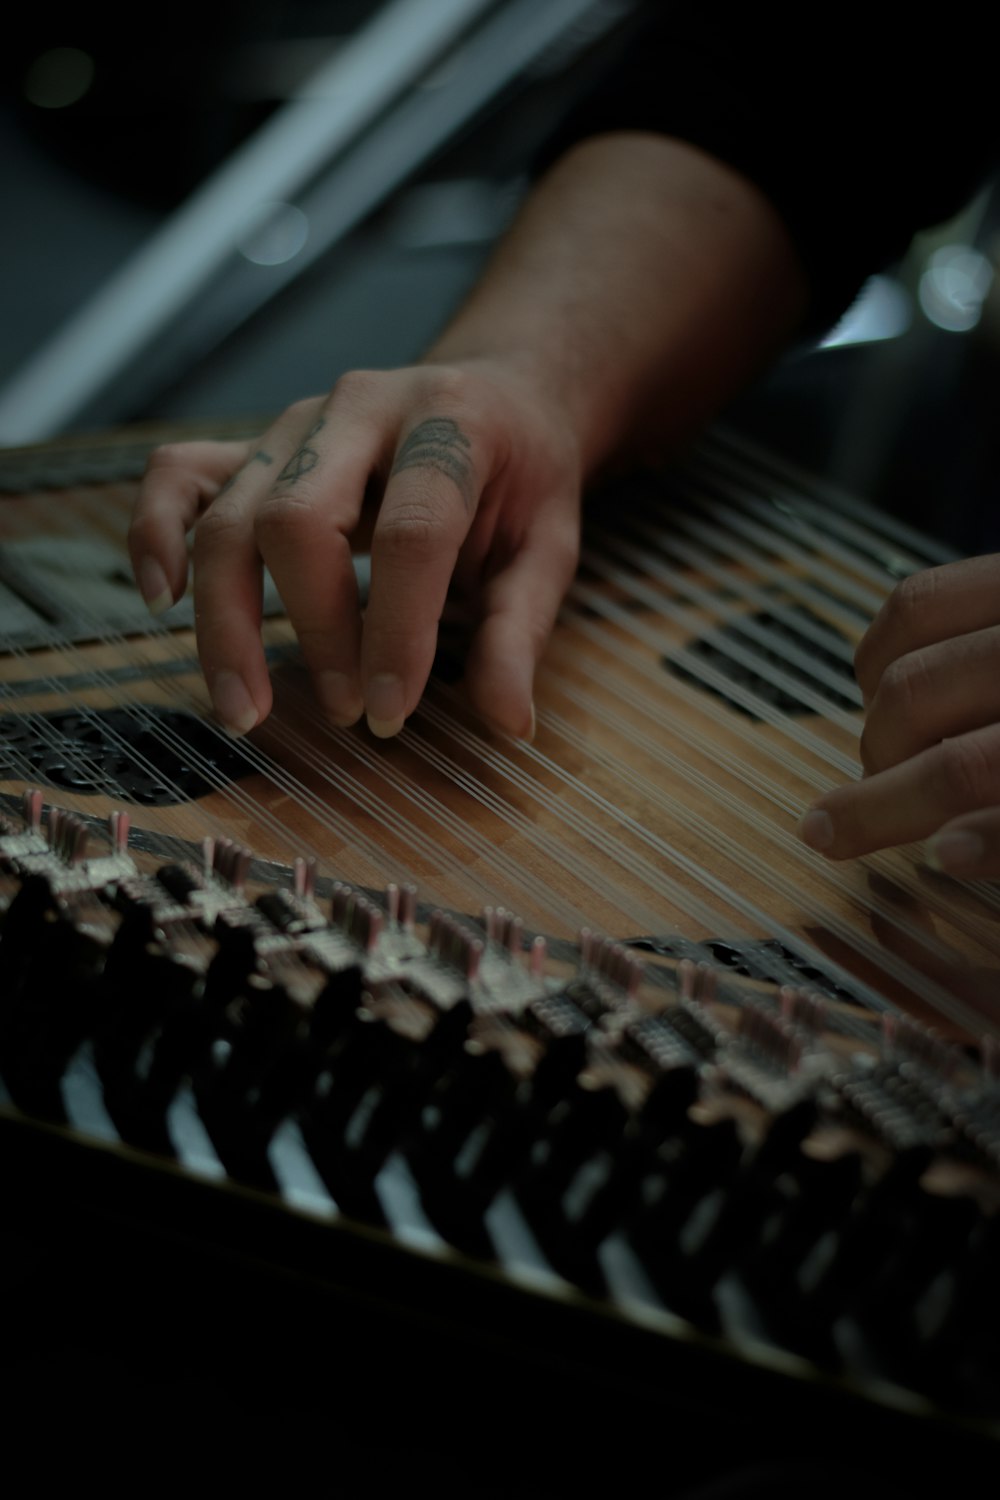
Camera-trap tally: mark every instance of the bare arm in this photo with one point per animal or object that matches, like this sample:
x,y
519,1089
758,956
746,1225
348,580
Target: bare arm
x,y
642,284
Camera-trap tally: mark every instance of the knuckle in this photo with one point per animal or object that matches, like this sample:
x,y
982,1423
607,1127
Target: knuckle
x,y
281,518
293,421
412,526
904,688
356,388
166,456
446,391
452,385
220,525
910,600
969,772
301,411
463,396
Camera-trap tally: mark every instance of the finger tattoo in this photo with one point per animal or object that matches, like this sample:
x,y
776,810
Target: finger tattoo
x,y
302,460
439,443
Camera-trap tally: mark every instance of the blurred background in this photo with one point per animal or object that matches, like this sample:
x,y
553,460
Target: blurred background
x,y
209,220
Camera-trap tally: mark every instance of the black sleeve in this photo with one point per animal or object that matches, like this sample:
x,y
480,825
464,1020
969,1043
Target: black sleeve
x,y
861,124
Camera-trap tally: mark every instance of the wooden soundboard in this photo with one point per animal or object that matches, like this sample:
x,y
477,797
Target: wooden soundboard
x,y
574,1038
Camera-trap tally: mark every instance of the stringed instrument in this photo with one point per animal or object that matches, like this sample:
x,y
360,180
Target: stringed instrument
x,y
573,1038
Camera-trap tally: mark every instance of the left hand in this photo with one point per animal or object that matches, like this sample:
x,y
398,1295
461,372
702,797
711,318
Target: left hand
x,y
477,480
929,669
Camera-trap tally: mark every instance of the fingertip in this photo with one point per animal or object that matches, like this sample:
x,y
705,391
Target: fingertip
x,y
516,727
234,704
340,698
501,689
152,583
385,705
160,604
816,829
955,852
500,678
526,729
384,729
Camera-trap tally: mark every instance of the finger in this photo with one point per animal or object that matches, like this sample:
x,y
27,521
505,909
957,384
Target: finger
x,y
228,573
934,605
227,604
968,846
302,528
909,801
428,508
521,606
932,694
181,479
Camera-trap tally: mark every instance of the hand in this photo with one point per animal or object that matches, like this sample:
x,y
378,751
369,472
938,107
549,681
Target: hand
x,y
478,488
929,669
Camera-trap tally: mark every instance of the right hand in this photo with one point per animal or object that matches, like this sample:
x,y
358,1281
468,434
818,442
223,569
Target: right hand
x,y
477,481
929,669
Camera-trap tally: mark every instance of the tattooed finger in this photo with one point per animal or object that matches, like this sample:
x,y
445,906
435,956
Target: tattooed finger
x,y
303,460
260,457
440,444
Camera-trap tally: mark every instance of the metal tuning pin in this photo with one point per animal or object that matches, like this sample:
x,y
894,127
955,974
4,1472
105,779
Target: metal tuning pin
x,y
367,924
31,809
538,956
119,827
507,930
304,876
610,961
67,835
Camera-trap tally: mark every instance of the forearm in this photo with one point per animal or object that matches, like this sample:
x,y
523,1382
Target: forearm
x,y
641,286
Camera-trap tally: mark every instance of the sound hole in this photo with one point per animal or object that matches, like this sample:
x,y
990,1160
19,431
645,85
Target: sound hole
x,y
752,958
711,650
151,757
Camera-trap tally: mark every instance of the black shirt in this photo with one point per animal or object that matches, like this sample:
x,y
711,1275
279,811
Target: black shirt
x,y
862,124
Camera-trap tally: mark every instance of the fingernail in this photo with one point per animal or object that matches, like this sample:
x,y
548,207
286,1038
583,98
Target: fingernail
x,y
816,829
955,853
384,705
340,698
532,726
153,586
233,704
